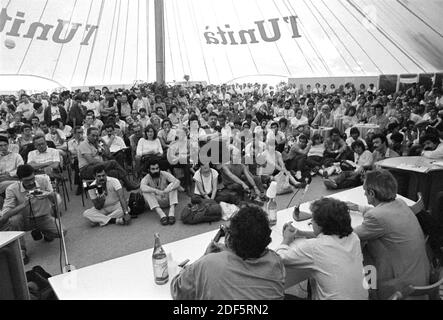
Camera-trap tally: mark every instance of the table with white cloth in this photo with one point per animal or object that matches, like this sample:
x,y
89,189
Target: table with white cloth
x,y
365,127
131,276
422,175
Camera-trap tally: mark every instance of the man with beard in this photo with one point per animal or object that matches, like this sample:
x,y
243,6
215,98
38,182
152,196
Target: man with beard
x,y
159,189
55,111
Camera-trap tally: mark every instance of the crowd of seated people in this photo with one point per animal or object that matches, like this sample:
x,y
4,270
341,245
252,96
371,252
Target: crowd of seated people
x,y
166,134
140,124
313,129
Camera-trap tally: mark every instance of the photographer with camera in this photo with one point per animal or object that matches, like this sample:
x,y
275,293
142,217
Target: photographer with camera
x,y
28,206
109,202
243,268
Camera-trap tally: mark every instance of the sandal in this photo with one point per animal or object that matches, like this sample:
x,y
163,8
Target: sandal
x,y
164,221
171,220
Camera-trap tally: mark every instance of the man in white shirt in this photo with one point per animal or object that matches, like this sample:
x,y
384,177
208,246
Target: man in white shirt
x,y
141,102
110,206
43,158
26,108
58,137
331,255
93,105
115,144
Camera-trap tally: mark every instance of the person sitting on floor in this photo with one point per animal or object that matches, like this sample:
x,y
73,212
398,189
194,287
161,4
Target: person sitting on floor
x,y
28,206
206,181
241,269
352,178
237,178
331,255
110,206
159,189
395,243
354,136
336,150
273,164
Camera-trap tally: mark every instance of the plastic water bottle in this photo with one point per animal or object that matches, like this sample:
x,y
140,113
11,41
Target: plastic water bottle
x,y
159,262
272,211
271,206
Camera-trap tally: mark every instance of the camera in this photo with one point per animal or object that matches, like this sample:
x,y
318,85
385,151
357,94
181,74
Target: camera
x,y
95,186
35,192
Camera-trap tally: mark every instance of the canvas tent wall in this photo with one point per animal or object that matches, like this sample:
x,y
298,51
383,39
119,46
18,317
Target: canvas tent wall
x,y
219,40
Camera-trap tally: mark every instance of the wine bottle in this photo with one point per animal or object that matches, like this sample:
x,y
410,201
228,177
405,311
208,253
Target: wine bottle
x,y
159,262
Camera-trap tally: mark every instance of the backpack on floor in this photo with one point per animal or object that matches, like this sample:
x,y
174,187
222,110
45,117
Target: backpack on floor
x,y
38,284
136,203
201,211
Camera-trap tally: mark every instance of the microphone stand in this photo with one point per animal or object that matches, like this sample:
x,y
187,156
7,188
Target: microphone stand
x,y
67,267
296,214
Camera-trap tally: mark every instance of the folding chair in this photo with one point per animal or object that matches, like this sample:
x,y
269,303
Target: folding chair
x,y
85,184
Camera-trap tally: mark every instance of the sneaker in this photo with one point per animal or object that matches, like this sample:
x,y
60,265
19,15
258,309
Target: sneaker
x,y
330,184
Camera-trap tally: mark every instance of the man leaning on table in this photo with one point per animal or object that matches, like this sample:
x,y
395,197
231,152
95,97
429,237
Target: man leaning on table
x,y
331,255
242,269
395,243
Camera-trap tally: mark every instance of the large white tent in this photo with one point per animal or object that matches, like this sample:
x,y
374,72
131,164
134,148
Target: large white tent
x,y
97,42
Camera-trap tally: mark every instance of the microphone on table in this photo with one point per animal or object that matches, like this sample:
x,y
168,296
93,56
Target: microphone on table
x,y
297,214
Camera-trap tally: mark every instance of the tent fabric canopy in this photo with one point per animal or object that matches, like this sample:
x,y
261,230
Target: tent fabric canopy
x,y
93,42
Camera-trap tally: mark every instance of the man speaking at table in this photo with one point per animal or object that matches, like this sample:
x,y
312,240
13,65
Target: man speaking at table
x,y
395,242
242,269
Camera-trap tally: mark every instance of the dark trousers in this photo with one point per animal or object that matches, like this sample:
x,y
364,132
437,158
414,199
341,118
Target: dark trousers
x,y
297,163
348,179
314,161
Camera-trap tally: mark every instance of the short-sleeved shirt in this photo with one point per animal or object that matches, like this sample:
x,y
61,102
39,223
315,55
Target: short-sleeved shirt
x,y
41,157
16,195
9,163
205,181
112,186
87,148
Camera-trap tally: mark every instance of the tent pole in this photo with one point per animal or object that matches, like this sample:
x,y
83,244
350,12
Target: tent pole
x,y
159,40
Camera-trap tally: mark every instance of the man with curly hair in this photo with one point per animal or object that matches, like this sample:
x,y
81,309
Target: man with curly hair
x,y
241,269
